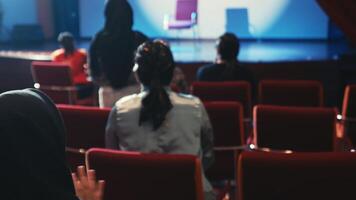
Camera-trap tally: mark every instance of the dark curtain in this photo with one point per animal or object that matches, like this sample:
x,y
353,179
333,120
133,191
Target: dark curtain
x,y
66,16
343,14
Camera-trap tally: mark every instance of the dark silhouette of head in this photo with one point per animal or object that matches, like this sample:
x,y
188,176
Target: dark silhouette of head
x,y
228,47
66,40
32,147
118,16
154,68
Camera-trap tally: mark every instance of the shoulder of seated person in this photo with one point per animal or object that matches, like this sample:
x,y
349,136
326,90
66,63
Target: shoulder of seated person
x,y
82,51
209,65
181,97
57,52
127,99
212,67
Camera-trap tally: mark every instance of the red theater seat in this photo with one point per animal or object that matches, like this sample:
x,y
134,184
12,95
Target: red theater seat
x,y
291,93
294,128
225,91
55,79
133,176
85,125
227,122
296,176
349,113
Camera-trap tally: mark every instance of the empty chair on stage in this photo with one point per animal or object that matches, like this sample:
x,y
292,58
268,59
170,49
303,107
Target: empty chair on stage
x,y
296,176
185,17
133,175
291,93
294,128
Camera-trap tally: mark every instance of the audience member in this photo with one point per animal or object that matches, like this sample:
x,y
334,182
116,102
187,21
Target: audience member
x,y
111,53
226,66
158,120
32,154
76,59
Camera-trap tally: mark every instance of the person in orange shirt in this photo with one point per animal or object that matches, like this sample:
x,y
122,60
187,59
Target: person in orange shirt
x,y
76,59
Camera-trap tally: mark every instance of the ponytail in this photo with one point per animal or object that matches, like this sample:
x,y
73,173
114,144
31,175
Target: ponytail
x,y
155,71
155,107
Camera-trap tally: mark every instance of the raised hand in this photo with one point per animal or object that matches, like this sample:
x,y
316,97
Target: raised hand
x,y
86,186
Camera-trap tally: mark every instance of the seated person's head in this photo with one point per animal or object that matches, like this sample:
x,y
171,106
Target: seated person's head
x,y
228,47
32,153
66,40
154,68
154,64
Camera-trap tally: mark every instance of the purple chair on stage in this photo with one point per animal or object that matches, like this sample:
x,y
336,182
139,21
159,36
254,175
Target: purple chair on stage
x,y
185,17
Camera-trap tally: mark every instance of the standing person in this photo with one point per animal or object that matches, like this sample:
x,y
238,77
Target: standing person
x,y
111,53
32,152
76,59
226,66
158,120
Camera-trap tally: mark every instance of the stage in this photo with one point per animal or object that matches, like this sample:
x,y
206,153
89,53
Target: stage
x,y
294,60
204,50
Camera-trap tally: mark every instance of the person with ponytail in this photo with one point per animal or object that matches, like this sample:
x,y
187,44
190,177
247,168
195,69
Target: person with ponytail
x,y
226,66
158,120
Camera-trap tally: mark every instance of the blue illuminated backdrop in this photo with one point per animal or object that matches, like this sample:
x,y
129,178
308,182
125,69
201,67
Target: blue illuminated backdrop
x,y
276,19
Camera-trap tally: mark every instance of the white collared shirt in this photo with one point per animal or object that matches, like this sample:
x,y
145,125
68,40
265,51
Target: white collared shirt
x,y
186,129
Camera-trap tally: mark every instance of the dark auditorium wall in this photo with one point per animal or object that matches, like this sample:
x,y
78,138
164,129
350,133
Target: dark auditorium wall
x,y
66,16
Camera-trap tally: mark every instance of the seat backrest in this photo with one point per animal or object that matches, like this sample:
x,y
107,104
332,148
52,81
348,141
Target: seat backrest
x,y
55,79
294,128
133,175
291,93
185,8
85,125
225,91
52,74
227,123
349,112
296,176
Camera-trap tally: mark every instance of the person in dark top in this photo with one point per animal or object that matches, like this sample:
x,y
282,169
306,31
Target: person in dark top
x,y
112,51
226,66
32,151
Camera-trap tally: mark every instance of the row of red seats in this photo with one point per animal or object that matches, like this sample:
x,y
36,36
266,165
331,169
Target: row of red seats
x,y
276,127
259,175
56,80
304,93
296,93
224,169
